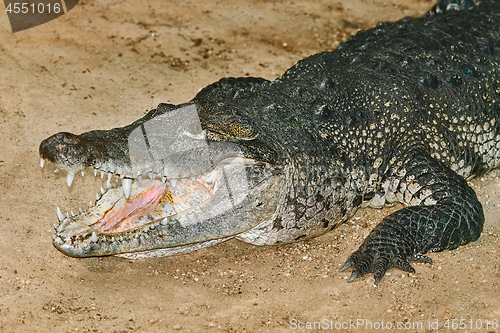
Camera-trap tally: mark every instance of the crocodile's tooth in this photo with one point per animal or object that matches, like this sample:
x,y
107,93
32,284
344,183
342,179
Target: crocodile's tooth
x,y
183,180
67,215
109,176
139,178
122,175
127,185
42,162
94,238
95,172
151,175
109,185
58,240
83,173
72,214
81,211
193,178
56,170
69,178
173,181
163,179
199,176
102,191
90,205
60,215
55,227
97,197
102,174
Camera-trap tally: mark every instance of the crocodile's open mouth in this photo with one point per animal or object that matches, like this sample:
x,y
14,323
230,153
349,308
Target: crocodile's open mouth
x,y
152,214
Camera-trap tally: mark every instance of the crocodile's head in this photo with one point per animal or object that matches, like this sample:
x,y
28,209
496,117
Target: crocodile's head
x,y
191,175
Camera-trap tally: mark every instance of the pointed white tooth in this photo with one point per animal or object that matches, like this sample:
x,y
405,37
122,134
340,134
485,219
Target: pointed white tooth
x,y
81,211
199,176
163,179
72,214
193,177
94,238
151,175
139,178
55,226
109,185
183,180
83,173
90,205
60,215
56,170
102,174
97,197
122,175
42,162
69,178
95,172
67,215
127,185
102,191
109,176
173,181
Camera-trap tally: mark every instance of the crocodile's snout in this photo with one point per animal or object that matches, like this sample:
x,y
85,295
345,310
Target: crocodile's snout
x,y
66,150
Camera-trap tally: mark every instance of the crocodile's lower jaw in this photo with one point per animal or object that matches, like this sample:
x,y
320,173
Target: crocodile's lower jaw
x,y
157,210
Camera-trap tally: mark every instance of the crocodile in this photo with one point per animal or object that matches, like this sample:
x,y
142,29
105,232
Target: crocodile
x,y
405,112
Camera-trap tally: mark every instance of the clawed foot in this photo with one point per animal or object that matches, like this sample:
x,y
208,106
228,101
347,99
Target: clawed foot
x,y
379,260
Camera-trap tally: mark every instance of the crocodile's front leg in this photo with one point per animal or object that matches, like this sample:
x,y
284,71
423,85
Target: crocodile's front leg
x,y
443,213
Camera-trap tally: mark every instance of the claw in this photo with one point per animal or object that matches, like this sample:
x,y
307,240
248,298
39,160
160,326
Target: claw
x,y
353,276
346,265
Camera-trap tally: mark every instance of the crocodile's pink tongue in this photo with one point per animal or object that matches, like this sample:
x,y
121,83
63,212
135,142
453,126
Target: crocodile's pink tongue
x,y
153,199
127,213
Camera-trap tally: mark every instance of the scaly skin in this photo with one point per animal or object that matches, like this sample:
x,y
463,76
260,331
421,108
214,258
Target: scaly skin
x,y
404,112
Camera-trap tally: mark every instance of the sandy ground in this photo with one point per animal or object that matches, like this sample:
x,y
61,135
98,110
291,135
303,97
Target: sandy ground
x,y
104,65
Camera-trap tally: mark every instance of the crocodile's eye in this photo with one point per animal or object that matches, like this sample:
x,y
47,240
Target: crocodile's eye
x,y
195,128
